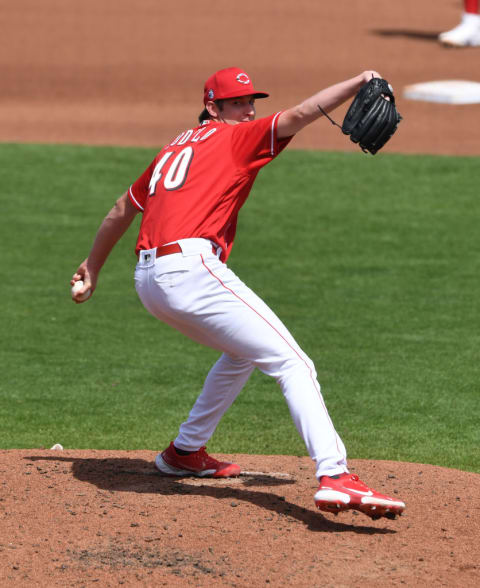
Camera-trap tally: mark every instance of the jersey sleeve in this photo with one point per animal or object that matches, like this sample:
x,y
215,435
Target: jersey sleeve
x,y
255,143
138,191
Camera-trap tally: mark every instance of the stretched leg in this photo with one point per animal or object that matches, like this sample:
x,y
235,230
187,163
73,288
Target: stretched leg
x,y
211,305
223,384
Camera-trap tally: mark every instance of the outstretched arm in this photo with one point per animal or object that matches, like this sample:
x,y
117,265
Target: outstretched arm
x,y
112,228
294,119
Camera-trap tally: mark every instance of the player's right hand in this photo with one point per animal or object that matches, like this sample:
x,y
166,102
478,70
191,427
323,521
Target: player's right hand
x,y
89,282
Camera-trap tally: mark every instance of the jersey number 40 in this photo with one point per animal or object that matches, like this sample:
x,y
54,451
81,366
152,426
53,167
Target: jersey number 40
x,y
174,175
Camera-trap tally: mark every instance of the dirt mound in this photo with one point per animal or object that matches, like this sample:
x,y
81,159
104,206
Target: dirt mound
x,y
76,518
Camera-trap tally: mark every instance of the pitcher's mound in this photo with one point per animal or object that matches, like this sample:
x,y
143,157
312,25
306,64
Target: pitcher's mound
x,y
104,518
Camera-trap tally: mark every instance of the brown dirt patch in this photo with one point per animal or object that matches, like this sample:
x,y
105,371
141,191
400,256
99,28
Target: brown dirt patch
x,y
79,518
123,73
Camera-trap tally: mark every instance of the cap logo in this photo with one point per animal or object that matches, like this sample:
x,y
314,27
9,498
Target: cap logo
x,y
243,78
211,94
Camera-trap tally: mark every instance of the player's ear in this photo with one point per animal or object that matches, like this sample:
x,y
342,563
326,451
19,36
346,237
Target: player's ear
x,y
212,109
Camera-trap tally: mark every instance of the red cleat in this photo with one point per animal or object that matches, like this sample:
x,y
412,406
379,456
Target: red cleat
x,y
347,491
199,463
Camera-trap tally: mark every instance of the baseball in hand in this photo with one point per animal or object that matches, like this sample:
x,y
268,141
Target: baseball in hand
x,y
75,288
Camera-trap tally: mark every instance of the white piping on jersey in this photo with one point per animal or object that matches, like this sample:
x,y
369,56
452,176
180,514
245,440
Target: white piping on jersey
x,y
134,199
272,151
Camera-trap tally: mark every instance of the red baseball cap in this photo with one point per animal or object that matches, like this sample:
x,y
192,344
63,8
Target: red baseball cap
x,y
229,83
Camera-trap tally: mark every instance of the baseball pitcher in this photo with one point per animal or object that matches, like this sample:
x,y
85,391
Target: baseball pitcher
x,y
189,198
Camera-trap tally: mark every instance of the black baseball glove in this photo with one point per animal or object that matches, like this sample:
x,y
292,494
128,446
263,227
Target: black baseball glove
x,y
372,117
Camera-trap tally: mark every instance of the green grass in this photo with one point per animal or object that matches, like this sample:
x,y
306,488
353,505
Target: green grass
x,y
372,262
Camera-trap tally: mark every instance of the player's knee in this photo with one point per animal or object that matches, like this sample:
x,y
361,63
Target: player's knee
x,y
299,364
237,362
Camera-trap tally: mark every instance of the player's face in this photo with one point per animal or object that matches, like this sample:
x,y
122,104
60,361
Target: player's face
x,y
237,110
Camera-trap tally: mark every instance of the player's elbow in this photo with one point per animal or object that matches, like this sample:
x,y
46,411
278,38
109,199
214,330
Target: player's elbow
x,y
124,207
122,211
293,120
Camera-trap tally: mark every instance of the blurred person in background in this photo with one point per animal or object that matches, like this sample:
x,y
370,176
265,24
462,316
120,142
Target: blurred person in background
x,y
467,33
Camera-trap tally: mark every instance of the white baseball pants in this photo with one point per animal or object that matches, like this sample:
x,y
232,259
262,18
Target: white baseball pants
x,y
197,294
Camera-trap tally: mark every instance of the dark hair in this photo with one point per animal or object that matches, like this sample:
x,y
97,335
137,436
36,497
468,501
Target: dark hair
x,y
205,115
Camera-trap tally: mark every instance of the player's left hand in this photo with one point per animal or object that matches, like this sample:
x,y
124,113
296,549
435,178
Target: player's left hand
x,y
372,118
369,74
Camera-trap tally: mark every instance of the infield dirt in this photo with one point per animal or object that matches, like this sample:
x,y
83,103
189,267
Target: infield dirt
x,y
113,72
110,72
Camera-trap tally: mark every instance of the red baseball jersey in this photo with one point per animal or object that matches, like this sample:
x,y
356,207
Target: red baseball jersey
x,y
197,184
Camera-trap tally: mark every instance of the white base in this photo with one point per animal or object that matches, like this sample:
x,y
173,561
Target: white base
x,y
446,91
